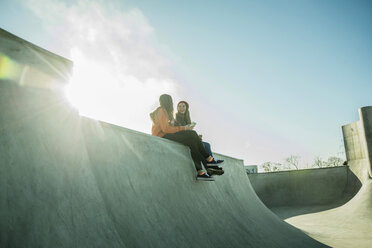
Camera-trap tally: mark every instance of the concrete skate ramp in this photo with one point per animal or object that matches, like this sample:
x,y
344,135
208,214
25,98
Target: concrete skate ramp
x,y
332,205
311,189
30,65
68,181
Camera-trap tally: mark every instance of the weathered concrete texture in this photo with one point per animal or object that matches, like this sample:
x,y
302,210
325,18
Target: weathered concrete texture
x,y
354,141
336,205
332,205
67,181
365,114
301,187
27,64
349,225
358,138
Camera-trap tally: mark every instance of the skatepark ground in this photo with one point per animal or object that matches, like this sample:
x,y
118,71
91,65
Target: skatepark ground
x,y
71,181
331,205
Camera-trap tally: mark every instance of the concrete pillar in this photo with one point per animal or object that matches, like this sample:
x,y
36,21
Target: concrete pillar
x,y
365,115
354,141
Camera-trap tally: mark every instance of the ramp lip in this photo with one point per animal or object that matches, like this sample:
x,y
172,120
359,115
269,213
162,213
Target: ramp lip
x,y
41,49
305,169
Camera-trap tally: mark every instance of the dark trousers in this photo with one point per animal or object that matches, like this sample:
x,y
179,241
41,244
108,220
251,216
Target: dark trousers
x,y
207,147
191,139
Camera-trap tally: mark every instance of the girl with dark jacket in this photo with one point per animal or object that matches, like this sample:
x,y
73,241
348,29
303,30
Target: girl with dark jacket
x,y
183,118
183,134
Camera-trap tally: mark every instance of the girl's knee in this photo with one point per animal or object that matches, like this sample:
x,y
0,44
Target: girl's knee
x,y
191,131
194,134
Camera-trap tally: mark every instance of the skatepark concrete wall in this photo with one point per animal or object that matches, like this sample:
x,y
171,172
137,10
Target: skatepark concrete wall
x,y
68,181
358,138
27,64
344,225
353,141
333,205
71,181
355,149
365,114
300,187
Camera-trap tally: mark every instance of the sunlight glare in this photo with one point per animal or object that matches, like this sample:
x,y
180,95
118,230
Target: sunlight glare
x,y
100,92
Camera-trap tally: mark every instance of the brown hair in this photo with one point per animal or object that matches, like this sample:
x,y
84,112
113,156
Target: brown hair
x,y
166,102
183,119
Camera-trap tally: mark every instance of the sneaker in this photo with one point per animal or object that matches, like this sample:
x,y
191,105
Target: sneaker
x,y
204,177
212,171
214,167
216,162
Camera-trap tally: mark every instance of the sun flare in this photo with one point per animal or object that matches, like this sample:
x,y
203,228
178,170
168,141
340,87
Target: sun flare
x,y
100,92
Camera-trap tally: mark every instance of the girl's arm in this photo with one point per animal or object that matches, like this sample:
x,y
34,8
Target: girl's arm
x,y
164,123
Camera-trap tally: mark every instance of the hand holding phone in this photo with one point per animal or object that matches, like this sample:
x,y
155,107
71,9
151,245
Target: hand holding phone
x,y
190,126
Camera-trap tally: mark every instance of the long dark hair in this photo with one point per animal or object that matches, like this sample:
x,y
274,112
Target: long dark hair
x,y
166,102
183,119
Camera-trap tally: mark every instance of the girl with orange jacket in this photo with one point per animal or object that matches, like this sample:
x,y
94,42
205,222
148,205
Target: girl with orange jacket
x,y
162,118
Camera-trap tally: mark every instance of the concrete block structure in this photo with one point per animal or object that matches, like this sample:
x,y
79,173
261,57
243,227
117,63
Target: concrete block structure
x,y
358,138
251,169
354,141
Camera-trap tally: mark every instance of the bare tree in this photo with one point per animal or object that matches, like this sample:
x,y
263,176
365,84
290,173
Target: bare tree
x,y
318,162
334,161
266,166
270,166
278,167
292,161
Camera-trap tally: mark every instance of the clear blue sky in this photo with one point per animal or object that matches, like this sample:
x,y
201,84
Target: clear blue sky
x,y
267,79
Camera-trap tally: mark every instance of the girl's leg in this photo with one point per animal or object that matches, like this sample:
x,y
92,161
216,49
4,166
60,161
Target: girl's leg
x,y
199,144
207,147
185,138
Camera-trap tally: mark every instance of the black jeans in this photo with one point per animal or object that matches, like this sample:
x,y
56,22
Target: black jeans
x,y
191,139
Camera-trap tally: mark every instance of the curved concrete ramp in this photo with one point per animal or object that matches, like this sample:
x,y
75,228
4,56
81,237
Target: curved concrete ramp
x,y
308,187
67,181
349,225
332,205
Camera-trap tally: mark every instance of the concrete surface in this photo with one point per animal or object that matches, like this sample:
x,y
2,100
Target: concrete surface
x,y
302,187
27,64
365,114
67,181
354,141
331,205
358,138
348,225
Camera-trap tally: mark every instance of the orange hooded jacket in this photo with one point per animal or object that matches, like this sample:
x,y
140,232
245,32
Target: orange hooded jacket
x,y
160,126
